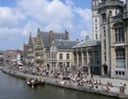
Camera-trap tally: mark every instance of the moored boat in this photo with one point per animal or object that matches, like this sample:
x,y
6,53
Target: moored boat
x,y
34,82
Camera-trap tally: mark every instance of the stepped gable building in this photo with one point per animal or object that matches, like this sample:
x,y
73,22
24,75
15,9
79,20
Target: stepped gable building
x,y
114,42
43,43
31,50
87,55
60,54
95,20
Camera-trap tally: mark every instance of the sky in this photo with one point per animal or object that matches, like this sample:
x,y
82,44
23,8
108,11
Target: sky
x,y
20,17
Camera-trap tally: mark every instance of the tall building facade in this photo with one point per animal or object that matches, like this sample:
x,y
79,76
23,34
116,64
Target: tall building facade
x,y
95,20
114,38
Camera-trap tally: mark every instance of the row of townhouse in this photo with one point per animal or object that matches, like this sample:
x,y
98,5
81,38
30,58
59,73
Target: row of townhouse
x,y
10,57
49,49
56,50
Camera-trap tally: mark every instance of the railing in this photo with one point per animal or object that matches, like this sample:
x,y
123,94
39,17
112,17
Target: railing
x,y
119,17
118,3
125,15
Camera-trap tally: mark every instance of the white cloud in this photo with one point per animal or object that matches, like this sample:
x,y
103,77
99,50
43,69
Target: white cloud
x,y
47,12
6,30
70,2
85,14
54,27
10,17
31,26
85,33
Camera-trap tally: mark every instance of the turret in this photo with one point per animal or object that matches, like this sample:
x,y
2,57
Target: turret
x,y
127,6
95,4
95,20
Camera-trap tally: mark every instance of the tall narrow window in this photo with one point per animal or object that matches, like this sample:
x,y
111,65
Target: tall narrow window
x,y
104,17
68,56
120,58
80,58
60,56
85,59
90,57
119,35
96,55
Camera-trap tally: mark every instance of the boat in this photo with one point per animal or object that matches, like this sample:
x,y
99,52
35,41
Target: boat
x,y
34,82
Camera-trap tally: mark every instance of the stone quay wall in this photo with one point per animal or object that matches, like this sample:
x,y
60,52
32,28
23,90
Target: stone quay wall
x,y
52,81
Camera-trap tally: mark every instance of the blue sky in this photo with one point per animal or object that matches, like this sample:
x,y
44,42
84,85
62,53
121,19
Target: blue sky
x,y
20,17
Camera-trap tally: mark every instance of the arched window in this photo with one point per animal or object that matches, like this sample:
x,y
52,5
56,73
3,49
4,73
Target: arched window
x,y
104,17
120,58
119,34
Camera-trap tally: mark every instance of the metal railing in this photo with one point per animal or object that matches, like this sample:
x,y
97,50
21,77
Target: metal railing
x,y
119,17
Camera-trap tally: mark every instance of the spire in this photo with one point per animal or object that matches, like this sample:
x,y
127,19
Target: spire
x,y
30,35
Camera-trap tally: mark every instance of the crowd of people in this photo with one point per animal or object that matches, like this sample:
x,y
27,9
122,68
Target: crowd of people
x,y
81,79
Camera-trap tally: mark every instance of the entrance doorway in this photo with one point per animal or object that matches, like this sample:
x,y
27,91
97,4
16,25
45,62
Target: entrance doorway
x,y
105,68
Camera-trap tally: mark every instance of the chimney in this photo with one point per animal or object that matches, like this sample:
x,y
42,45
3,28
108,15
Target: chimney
x,y
51,36
87,38
67,35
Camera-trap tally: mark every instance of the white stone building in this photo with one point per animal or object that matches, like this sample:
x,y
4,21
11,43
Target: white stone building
x,y
114,39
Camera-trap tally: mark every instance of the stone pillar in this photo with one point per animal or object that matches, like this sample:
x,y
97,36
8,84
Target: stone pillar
x,y
126,58
87,55
77,58
82,57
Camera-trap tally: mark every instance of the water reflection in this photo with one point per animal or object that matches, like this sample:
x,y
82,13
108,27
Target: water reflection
x,y
15,88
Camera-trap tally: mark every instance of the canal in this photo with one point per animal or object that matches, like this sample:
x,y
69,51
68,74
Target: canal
x,y
15,88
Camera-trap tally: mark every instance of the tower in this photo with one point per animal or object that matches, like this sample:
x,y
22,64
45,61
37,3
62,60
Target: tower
x,y
127,6
108,9
95,20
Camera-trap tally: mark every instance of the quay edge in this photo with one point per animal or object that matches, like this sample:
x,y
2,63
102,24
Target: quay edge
x,y
51,81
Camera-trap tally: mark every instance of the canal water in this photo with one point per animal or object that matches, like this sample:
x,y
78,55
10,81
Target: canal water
x,y
15,88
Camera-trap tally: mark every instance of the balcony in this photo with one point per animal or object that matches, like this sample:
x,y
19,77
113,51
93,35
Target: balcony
x,y
120,17
111,3
117,18
125,15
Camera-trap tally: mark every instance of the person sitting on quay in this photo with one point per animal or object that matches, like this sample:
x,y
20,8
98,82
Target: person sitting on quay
x,y
122,88
106,89
100,82
125,86
95,82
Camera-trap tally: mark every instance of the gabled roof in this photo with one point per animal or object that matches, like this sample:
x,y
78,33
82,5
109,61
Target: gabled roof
x,y
65,44
14,51
46,37
88,43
